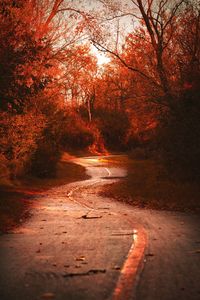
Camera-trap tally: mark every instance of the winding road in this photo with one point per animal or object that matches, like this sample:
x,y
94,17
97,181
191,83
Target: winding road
x,y
78,245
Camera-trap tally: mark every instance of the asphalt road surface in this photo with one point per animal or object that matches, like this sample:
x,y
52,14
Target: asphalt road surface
x,y
75,245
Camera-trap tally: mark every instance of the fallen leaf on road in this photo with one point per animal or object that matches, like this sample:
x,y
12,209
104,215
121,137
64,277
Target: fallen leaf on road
x,y
116,268
93,217
103,208
90,272
96,271
81,258
149,254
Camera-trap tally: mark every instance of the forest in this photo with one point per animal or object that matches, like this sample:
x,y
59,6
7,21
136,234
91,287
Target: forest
x,y
55,97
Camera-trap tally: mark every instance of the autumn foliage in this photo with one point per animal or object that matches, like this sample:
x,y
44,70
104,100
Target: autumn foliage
x,y
55,98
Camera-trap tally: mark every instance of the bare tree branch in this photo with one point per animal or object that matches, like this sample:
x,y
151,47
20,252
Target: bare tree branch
x,y
173,13
104,49
54,11
121,16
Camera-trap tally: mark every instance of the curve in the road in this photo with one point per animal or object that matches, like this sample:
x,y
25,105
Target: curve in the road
x,y
133,264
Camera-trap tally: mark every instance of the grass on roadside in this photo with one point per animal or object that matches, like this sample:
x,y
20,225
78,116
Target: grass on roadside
x,y
148,186
16,199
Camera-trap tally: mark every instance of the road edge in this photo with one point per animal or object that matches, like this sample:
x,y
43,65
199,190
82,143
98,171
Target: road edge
x,y
132,268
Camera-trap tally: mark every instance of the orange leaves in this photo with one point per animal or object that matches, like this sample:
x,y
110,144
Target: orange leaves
x,y
18,135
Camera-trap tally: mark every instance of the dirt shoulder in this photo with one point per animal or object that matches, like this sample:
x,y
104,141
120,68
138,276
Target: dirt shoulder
x,y
17,198
148,186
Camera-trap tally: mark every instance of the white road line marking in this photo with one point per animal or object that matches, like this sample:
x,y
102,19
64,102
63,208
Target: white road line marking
x,y
109,173
90,208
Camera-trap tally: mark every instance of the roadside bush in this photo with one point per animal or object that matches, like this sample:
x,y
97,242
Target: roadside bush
x,y
48,151
19,135
139,153
113,126
45,158
179,138
77,134
64,131
4,171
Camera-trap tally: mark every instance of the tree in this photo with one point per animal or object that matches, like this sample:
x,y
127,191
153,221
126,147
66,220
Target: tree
x,y
158,20
36,41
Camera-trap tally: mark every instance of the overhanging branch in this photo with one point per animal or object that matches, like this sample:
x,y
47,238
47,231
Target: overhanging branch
x,y
131,68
